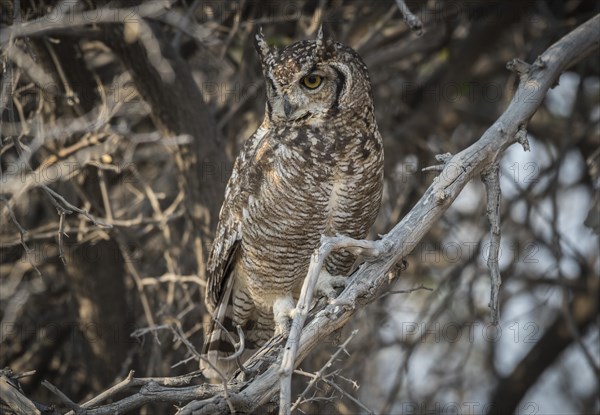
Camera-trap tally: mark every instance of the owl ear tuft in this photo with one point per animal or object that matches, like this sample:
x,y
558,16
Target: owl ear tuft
x,y
265,52
320,36
323,42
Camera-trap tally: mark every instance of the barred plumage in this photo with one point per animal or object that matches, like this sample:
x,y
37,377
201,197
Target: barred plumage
x,y
314,167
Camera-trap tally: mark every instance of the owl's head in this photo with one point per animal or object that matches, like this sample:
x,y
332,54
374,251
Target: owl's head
x,y
311,81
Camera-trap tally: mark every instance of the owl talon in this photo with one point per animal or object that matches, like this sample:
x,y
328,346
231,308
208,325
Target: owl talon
x,y
283,312
327,283
282,328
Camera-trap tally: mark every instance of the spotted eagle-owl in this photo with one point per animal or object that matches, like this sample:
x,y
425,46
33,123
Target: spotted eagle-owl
x,y
314,167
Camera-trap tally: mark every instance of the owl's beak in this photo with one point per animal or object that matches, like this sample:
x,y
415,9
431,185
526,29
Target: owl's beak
x,y
288,109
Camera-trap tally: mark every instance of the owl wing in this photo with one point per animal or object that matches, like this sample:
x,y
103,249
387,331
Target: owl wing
x,y
229,230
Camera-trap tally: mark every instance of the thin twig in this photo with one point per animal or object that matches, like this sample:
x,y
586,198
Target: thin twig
x,y
185,21
572,325
238,346
68,207
522,138
241,348
491,179
234,29
443,158
518,66
320,374
374,29
129,264
109,392
407,291
169,278
411,20
22,233
24,374
67,401
61,234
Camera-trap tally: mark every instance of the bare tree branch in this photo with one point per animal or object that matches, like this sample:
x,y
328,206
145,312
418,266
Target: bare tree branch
x,y
491,179
411,20
320,375
62,396
14,397
70,18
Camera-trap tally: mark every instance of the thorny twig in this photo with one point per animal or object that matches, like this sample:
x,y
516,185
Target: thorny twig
x,y
22,232
320,374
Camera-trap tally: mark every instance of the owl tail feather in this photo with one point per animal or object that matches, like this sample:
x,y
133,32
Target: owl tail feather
x,y
217,343
222,339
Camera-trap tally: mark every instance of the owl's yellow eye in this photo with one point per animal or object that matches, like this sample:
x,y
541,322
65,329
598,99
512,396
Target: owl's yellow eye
x,y
312,81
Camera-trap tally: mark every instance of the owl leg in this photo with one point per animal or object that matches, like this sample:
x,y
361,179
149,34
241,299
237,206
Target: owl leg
x,y
327,283
283,312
